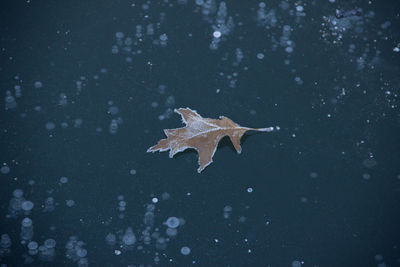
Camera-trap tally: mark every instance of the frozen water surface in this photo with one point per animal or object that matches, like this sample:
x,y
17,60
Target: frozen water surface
x,y
88,88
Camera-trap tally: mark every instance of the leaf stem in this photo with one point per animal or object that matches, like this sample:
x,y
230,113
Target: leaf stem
x,y
269,129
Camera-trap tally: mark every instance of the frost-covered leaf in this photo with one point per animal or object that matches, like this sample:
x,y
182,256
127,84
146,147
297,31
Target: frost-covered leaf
x,y
202,134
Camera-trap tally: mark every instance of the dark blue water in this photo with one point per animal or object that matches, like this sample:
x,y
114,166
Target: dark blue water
x,y
88,87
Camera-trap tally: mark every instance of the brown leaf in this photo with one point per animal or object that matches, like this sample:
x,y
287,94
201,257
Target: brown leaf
x,y
202,134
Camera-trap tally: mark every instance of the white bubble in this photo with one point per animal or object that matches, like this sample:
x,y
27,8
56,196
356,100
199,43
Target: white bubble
x,y
5,241
366,176
64,180
27,205
83,262
170,101
50,126
18,193
154,200
113,110
69,202
10,102
119,35
298,80
166,196
299,8
78,123
217,34
172,222
185,250
171,231
33,245
132,171
26,222
114,49
369,163
289,49
260,55
81,252
50,243
111,239
4,169
129,238
386,25
378,257
128,59
163,37
38,84
249,190
227,209
113,128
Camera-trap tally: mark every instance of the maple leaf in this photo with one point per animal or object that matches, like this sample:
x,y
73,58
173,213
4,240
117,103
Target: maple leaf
x,y
202,134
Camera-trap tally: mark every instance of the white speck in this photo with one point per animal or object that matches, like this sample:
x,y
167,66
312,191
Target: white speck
x,y
298,80
249,189
299,8
217,34
132,171
154,200
117,252
260,55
